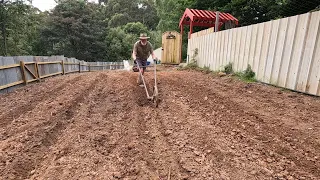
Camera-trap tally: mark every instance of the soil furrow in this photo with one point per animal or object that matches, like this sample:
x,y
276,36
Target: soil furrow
x,y
101,126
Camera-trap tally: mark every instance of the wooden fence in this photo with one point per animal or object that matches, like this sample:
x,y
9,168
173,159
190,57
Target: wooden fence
x,y
284,52
21,70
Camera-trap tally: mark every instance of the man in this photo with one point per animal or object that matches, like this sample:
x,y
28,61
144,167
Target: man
x,y
141,52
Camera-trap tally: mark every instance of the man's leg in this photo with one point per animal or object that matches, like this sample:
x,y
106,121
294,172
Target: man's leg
x,y
142,65
139,62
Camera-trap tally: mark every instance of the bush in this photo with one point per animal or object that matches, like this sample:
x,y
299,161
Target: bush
x,y
228,69
247,75
192,65
195,67
206,69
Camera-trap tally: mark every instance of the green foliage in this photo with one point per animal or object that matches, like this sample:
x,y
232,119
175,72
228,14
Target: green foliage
x,y
256,11
119,44
206,70
195,54
195,67
192,65
19,24
135,28
170,12
228,69
248,75
132,11
75,29
118,20
106,31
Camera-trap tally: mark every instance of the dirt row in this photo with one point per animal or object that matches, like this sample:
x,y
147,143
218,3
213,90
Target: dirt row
x,y
100,126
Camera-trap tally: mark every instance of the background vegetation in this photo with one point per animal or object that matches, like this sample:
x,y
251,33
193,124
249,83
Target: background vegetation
x,y
106,31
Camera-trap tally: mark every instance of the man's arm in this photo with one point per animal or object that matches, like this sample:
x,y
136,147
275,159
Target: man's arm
x,y
134,55
153,55
152,52
134,52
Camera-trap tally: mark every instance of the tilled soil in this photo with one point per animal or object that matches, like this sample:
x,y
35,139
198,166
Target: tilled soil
x,y
100,126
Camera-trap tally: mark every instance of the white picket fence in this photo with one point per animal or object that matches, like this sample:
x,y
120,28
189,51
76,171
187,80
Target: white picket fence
x,y
283,52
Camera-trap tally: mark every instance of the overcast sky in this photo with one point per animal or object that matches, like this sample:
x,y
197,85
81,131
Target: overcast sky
x,y
46,4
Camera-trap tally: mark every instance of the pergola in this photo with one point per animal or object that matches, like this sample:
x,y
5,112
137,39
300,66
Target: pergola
x,y
204,18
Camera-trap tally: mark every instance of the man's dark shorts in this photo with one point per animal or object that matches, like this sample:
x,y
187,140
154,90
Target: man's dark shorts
x,y
142,63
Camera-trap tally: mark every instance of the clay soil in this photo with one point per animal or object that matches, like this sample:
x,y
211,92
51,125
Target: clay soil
x,y
100,126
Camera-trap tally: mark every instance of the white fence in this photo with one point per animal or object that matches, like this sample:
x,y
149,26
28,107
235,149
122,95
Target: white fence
x,y
284,52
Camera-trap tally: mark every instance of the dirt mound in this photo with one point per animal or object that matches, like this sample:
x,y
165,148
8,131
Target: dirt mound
x,y
100,126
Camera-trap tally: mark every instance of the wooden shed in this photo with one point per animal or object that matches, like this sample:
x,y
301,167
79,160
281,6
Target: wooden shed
x,y
171,47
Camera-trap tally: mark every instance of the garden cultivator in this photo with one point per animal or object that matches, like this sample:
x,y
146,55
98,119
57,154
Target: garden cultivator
x,y
154,97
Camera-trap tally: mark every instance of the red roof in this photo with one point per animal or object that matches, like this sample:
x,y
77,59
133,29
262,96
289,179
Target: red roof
x,y
205,18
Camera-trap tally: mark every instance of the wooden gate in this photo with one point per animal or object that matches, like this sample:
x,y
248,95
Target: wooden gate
x,y
171,46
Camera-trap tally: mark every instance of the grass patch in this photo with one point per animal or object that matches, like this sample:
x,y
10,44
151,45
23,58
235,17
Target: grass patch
x,y
195,67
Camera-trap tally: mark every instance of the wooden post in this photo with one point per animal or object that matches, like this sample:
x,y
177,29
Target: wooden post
x,y
38,73
89,68
191,29
23,73
79,66
181,33
216,28
62,65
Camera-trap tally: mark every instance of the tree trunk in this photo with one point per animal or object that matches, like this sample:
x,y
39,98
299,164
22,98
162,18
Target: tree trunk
x,y
3,28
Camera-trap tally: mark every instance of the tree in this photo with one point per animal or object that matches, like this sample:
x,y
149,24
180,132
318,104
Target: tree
x,y
135,28
102,1
119,44
170,12
294,7
18,24
132,11
76,29
120,40
256,11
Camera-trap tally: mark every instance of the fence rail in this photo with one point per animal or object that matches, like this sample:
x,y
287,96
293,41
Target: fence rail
x,y
283,52
21,70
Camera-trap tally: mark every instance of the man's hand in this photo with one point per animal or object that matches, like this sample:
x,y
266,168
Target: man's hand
x,y
134,57
155,60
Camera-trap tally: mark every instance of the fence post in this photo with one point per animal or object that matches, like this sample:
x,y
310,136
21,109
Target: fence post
x,y
39,76
36,68
62,65
23,72
216,28
79,66
89,68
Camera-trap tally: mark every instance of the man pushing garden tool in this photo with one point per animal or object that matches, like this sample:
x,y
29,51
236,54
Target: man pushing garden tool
x,y
141,52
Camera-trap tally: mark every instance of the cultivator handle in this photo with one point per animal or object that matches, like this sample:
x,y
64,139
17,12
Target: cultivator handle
x,y
154,97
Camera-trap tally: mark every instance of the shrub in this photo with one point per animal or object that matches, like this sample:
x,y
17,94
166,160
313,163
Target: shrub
x,y
206,69
228,69
248,73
